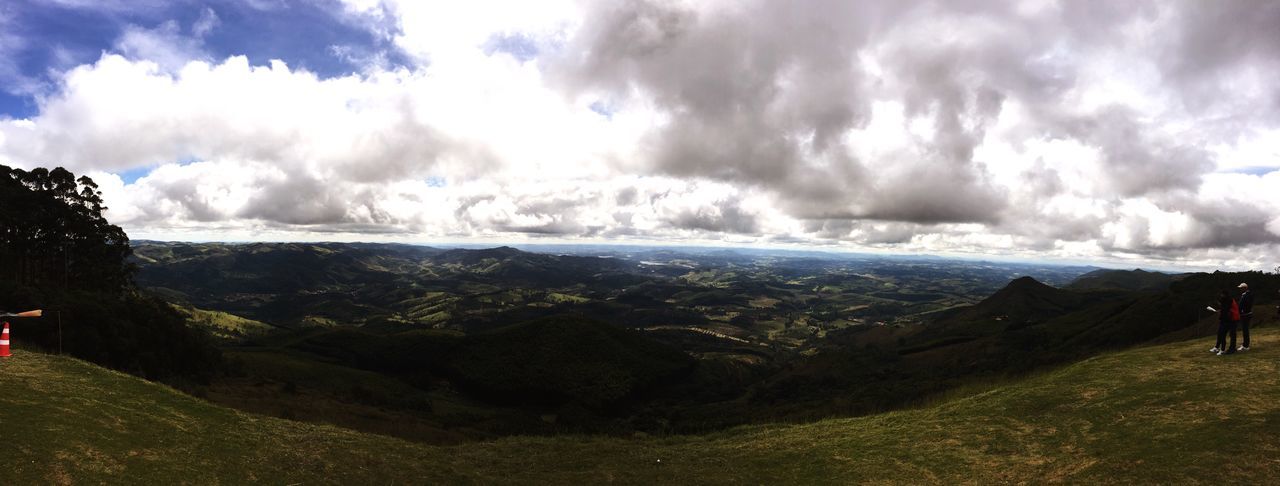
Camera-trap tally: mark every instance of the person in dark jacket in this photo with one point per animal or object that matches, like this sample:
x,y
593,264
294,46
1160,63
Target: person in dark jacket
x,y
1246,314
1225,324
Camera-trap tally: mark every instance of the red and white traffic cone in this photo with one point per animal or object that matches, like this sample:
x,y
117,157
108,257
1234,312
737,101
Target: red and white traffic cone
x,y
4,341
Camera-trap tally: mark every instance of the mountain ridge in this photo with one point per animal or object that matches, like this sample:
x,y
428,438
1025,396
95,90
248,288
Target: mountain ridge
x,y
1136,279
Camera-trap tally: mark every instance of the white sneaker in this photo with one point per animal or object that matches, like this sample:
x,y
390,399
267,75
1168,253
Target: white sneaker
x,y
1242,348
1220,353
1214,350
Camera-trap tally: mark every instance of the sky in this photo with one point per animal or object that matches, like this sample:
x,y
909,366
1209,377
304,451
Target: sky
x,y
1143,133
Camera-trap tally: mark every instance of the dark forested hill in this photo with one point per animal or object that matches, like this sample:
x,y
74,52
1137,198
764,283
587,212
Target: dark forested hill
x,y
1136,279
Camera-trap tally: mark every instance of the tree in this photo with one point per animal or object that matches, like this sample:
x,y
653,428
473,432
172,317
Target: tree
x,y
53,233
58,251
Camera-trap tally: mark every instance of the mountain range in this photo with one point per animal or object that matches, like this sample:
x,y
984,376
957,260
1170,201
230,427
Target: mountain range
x,y
762,337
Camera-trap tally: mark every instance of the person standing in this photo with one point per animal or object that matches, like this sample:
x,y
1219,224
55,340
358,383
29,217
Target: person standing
x,y
1226,323
1246,314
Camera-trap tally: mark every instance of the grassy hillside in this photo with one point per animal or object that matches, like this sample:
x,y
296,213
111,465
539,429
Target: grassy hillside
x,y
1164,414
221,325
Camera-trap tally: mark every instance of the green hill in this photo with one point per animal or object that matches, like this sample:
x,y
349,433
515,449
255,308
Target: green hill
x,y
1025,300
221,325
1165,414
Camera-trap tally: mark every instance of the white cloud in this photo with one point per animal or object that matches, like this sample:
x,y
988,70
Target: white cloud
x,y
448,32
164,45
206,23
1044,130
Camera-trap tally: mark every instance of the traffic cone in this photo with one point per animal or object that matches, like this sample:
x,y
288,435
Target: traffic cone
x,y
4,341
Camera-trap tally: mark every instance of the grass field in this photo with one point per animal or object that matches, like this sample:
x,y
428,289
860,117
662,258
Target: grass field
x,y
1166,414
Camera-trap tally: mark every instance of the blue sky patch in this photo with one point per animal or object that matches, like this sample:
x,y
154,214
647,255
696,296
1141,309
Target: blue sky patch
x,y
16,106
132,175
520,46
1256,170
310,35
603,109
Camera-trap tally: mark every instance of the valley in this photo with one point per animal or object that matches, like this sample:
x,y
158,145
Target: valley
x,y
453,345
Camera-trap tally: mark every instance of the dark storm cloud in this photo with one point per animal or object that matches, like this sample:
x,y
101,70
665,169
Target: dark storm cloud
x,y
1060,227
834,229
890,234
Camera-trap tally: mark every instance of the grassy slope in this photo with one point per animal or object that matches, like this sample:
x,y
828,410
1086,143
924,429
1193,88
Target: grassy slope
x,y
1166,414
223,325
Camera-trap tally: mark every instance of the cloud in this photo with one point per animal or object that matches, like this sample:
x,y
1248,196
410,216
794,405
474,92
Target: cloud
x,y
1057,129
206,23
1225,46
757,104
110,5
754,94
459,32
165,45
12,78
119,114
725,216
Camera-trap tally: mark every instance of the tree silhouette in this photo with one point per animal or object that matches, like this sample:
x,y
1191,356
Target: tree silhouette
x,y
53,233
57,251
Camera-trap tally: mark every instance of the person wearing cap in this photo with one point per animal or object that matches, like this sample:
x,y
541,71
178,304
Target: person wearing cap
x,y
1246,314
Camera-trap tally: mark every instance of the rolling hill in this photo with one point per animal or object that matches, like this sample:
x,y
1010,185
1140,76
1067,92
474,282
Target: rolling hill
x,y
1026,300
771,340
1023,327
221,325
1147,415
1136,279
